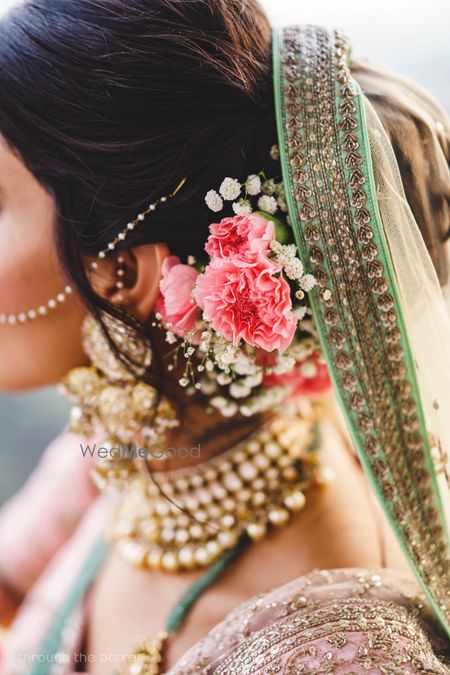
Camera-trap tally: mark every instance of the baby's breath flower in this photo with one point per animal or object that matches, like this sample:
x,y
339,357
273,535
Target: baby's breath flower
x,y
253,380
242,207
171,338
230,188
230,409
239,390
307,282
244,365
299,312
282,204
284,364
223,378
208,387
269,187
267,203
308,369
214,201
253,184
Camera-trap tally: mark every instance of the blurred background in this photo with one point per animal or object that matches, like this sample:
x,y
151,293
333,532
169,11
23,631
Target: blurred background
x,y
410,36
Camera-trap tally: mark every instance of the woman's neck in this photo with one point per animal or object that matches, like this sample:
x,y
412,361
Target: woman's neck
x,y
200,434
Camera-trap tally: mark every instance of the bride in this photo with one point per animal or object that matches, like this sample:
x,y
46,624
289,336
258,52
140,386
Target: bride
x,y
227,243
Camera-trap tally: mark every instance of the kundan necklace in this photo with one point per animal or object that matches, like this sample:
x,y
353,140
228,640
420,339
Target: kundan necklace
x,y
189,517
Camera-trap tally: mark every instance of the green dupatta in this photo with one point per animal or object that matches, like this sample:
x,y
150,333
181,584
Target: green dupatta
x,y
328,173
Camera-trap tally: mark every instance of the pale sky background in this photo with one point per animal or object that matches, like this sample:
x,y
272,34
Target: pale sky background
x,y
412,36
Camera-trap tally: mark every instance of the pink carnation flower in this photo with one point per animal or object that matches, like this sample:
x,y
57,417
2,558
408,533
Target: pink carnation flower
x,y
239,235
245,299
179,313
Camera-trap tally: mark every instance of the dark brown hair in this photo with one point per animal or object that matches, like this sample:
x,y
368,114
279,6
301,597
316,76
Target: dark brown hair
x,y
110,103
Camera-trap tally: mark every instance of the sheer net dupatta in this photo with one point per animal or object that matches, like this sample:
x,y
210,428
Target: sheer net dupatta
x,y
385,330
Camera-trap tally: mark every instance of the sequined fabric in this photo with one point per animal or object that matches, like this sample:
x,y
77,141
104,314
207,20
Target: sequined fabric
x,y
343,621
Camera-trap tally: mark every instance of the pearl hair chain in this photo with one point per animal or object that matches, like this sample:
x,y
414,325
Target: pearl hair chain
x,y
53,303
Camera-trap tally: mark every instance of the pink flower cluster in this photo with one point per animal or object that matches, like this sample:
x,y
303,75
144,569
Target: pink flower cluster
x,y
242,292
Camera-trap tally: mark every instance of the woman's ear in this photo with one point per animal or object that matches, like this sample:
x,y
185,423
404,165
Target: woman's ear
x,y
140,274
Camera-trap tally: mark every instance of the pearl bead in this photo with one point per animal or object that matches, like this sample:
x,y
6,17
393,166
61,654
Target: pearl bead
x,y
272,449
248,471
253,447
262,461
232,481
228,539
181,536
213,548
258,498
295,501
196,531
186,556
278,517
228,521
169,561
325,475
202,555
256,531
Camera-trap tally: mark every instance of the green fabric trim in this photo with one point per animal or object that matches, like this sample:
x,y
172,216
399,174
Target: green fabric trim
x,y
52,642
190,597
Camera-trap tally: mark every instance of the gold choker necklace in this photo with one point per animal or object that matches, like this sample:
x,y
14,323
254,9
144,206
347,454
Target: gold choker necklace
x,y
187,518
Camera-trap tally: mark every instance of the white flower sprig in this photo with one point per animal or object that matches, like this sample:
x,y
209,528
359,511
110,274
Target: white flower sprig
x,y
271,195
286,256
